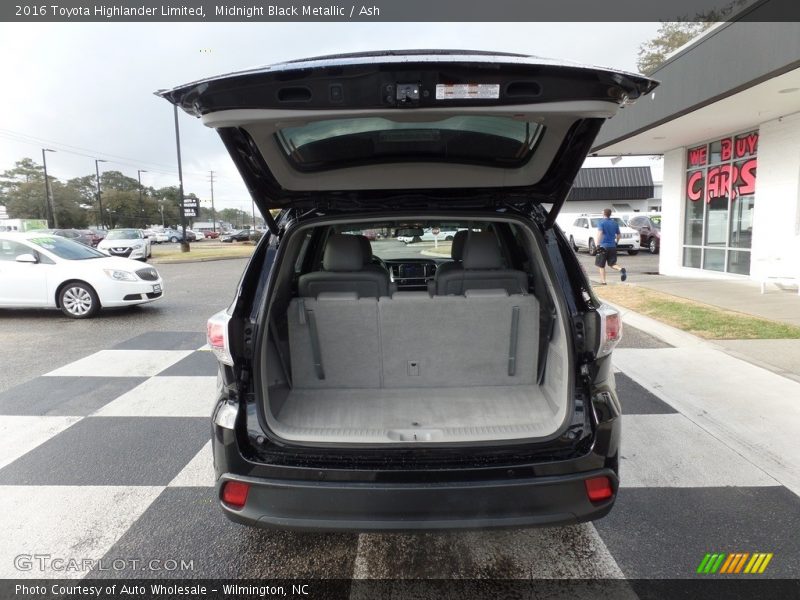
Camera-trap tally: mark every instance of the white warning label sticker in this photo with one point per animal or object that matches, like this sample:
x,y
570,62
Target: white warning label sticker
x,y
467,91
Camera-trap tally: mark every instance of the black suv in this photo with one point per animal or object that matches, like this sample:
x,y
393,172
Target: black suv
x,y
369,385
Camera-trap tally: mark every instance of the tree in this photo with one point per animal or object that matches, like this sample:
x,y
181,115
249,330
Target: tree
x,y
235,216
114,180
670,37
674,34
67,203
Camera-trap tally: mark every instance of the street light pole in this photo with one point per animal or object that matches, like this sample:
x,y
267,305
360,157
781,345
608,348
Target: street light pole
x,y
141,203
184,244
48,199
213,213
99,199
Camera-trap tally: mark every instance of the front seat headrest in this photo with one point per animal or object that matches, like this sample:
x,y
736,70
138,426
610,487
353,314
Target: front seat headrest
x,y
482,252
457,249
343,253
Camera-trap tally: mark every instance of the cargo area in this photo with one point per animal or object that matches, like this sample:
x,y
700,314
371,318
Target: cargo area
x,y
414,366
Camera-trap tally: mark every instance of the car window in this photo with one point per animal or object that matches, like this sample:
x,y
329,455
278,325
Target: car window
x,y
390,242
472,139
9,251
123,234
64,248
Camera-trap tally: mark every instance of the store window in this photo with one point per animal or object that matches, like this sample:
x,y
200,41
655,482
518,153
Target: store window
x,y
719,204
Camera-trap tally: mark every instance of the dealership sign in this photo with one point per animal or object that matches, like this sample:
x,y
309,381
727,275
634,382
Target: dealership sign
x,y
722,169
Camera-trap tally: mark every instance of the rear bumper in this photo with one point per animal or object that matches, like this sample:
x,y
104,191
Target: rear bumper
x,y
345,506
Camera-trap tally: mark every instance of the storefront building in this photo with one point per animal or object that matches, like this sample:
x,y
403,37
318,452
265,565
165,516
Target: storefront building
x,y
727,121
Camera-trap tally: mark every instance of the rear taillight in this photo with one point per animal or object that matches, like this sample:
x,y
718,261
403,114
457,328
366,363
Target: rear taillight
x,y
218,337
610,329
234,493
599,489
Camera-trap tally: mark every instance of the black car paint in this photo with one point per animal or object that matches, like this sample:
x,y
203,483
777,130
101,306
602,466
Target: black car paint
x,y
250,452
589,444
367,77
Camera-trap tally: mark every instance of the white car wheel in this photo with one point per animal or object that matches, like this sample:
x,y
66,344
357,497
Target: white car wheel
x,y
78,301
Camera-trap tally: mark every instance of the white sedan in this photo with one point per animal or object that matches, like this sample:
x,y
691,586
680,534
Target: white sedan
x,y
127,243
42,270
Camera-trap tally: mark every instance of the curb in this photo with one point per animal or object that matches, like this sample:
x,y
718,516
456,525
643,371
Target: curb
x,y
682,339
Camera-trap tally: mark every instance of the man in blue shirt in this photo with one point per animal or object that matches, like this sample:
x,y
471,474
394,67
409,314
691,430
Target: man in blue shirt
x,y
607,238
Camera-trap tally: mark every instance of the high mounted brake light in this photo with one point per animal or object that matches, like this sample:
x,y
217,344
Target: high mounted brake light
x,y
610,330
218,337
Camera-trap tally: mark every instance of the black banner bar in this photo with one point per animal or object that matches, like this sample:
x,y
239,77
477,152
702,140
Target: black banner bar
x,y
399,10
731,588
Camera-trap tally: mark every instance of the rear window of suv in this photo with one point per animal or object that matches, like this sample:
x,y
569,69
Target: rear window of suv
x,y
336,143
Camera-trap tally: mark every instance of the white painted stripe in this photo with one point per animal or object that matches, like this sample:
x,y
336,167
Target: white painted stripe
x,y
184,396
122,363
199,472
19,435
751,410
66,522
672,451
205,348
572,552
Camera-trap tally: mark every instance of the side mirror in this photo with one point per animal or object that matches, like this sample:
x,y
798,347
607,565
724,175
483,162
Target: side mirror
x,y
27,258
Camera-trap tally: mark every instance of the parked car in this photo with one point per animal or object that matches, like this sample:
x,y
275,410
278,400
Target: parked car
x,y
129,243
410,235
210,233
99,235
583,231
199,236
174,236
347,403
82,236
241,235
649,228
41,270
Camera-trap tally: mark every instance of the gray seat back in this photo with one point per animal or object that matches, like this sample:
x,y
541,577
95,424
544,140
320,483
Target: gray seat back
x,y
482,269
343,271
456,253
459,341
334,341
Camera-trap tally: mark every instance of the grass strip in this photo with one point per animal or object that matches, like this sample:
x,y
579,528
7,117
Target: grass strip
x,y
703,320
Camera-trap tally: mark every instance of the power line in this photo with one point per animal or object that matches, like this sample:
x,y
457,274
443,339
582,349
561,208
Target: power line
x,y
80,151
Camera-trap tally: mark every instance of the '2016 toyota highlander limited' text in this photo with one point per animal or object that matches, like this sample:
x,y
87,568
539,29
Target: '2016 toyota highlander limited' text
x,y
369,385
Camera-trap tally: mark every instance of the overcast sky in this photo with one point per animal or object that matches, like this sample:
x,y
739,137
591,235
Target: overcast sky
x,y
86,90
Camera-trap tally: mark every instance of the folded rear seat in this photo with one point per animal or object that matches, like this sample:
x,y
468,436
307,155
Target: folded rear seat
x,y
334,341
484,338
413,340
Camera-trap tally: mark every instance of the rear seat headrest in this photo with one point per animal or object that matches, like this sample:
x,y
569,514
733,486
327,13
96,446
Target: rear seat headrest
x,y
366,248
482,252
457,249
343,253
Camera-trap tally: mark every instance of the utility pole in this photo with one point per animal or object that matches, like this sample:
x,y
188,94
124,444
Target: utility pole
x,y
48,199
141,203
99,200
213,213
184,244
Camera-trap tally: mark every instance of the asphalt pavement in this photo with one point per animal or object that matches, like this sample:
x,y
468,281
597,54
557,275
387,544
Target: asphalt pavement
x,y
37,341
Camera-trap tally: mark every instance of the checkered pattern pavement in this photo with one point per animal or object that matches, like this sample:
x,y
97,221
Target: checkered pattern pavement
x,y
109,457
